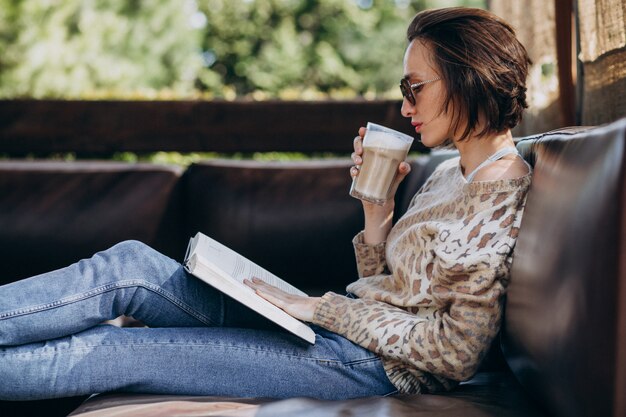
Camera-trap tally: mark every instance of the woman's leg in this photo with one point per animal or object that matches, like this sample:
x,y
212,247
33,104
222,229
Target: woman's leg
x,y
129,279
191,361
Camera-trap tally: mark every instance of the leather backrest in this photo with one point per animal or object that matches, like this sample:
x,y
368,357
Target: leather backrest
x,y
55,213
561,336
295,219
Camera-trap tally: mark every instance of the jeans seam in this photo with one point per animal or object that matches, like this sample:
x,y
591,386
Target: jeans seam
x,y
140,343
352,363
108,288
361,361
148,344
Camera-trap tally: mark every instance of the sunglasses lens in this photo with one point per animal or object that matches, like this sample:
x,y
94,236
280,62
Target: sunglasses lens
x,y
405,88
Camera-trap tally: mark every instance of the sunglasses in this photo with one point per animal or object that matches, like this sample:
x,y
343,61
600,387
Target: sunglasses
x,y
410,90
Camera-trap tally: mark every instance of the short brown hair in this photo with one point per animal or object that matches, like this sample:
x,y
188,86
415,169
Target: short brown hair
x,y
482,64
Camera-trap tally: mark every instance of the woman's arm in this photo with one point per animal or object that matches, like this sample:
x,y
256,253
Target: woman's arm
x,y
451,342
457,285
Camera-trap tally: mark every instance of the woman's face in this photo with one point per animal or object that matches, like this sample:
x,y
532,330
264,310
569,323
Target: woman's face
x,y
435,127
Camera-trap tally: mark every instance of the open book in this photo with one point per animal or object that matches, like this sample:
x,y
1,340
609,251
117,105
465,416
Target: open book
x,y
225,269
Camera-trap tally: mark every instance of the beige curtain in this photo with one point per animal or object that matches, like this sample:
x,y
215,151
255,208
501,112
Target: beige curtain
x,y
603,54
534,23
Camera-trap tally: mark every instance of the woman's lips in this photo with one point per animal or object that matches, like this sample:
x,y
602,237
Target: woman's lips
x,y
417,126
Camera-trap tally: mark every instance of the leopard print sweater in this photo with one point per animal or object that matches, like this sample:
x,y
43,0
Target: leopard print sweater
x,y
430,297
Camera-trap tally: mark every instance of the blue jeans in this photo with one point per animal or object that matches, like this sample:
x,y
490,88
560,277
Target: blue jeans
x,y
199,342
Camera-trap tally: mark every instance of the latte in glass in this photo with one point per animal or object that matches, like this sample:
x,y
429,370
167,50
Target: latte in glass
x,y
383,150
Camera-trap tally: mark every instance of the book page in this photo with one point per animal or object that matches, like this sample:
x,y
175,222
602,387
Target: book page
x,y
225,270
236,265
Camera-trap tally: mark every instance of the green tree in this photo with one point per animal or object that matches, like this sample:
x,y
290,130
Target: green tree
x,y
326,45
67,48
207,48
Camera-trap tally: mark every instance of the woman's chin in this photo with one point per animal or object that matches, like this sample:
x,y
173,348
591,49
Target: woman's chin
x,y
435,142
429,141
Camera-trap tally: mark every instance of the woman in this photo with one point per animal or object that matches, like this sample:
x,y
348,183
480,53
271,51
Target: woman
x,y
421,316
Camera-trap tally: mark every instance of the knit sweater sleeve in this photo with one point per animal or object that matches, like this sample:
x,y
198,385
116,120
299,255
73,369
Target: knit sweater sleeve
x,y
467,284
370,259
451,344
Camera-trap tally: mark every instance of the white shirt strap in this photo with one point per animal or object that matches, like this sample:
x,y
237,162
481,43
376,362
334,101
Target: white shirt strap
x,y
496,156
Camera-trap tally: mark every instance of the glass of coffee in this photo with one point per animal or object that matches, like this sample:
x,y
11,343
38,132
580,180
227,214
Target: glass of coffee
x,y
383,150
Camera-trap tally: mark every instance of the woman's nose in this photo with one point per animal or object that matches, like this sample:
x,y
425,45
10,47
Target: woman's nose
x,y
407,108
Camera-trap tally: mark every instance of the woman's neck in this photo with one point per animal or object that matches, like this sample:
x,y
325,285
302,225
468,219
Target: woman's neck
x,y
475,150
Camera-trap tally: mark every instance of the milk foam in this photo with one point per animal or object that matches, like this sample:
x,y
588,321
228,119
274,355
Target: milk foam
x,y
384,140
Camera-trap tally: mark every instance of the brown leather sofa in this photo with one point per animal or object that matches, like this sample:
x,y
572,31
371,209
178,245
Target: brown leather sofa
x,y
562,350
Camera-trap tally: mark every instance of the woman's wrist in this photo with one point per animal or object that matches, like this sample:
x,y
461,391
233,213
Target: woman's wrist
x,y
378,222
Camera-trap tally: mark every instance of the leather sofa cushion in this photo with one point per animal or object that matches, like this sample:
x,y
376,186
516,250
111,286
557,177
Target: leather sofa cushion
x,y
561,335
55,213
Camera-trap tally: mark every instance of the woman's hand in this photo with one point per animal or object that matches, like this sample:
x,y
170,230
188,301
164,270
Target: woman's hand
x,y
302,308
377,218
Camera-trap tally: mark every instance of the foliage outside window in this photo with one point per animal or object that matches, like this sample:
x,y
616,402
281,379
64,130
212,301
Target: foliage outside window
x,y
188,49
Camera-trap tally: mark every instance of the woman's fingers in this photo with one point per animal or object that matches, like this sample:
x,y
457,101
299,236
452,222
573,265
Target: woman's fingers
x,y
358,141
299,307
277,301
259,284
357,144
276,293
403,170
